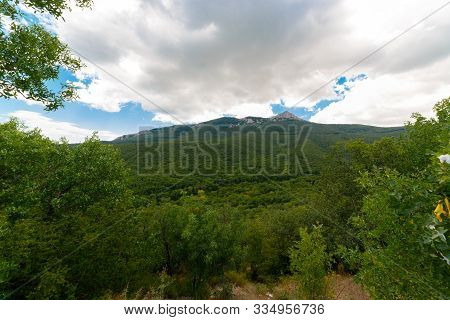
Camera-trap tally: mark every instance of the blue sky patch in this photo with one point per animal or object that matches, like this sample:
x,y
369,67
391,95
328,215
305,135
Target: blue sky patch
x,y
341,86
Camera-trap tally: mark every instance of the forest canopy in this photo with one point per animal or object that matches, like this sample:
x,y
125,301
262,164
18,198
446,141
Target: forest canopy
x,y
75,222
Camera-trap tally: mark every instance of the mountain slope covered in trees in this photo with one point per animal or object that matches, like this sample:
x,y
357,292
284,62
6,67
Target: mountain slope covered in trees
x,y
234,145
76,222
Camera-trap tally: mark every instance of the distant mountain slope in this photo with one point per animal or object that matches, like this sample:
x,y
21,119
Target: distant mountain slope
x,y
329,132
229,143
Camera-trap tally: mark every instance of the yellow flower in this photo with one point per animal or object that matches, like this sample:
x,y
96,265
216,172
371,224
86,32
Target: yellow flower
x,y
439,210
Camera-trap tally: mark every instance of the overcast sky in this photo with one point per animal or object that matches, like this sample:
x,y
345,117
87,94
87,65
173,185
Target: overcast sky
x,y
202,59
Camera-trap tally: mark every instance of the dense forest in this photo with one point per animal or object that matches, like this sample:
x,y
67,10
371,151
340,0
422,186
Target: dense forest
x,y
276,146
107,220
78,222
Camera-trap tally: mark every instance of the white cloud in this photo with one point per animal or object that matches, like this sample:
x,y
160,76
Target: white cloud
x,y
389,99
260,110
29,101
199,59
238,111
56,130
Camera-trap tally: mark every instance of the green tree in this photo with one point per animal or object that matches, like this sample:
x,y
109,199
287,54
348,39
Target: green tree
x,y
211,238
269,236
163,227
65,217
405,248
31,56
397,262
309,264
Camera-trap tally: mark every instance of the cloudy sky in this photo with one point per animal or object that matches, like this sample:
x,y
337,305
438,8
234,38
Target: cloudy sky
x,y
158,62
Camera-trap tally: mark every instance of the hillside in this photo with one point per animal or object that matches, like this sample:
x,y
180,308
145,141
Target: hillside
x,y
207,212
223,145
328,132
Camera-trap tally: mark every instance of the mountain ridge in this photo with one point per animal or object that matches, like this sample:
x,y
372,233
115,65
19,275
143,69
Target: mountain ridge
x,y
229,137
282,118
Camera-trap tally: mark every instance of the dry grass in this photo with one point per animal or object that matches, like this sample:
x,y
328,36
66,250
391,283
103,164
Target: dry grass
x,y
252,291
340,287
343,287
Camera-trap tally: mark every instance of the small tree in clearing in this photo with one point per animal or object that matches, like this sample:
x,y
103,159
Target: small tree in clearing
x,y
309,264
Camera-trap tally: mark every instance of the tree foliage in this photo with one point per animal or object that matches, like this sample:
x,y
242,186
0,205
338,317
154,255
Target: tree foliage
x,y
75,223
309,264
381,197
55,200
405,246
31,56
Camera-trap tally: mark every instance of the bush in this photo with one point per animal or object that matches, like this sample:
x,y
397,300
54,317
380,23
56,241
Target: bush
x,y
238,278
309,264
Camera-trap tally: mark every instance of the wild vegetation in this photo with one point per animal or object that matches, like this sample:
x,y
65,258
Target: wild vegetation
x,y
79,222
75,222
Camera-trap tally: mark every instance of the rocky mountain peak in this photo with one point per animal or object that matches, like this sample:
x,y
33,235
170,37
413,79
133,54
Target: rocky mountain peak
x,y
286,115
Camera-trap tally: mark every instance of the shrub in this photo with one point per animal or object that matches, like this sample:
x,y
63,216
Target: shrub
x,y
309,264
